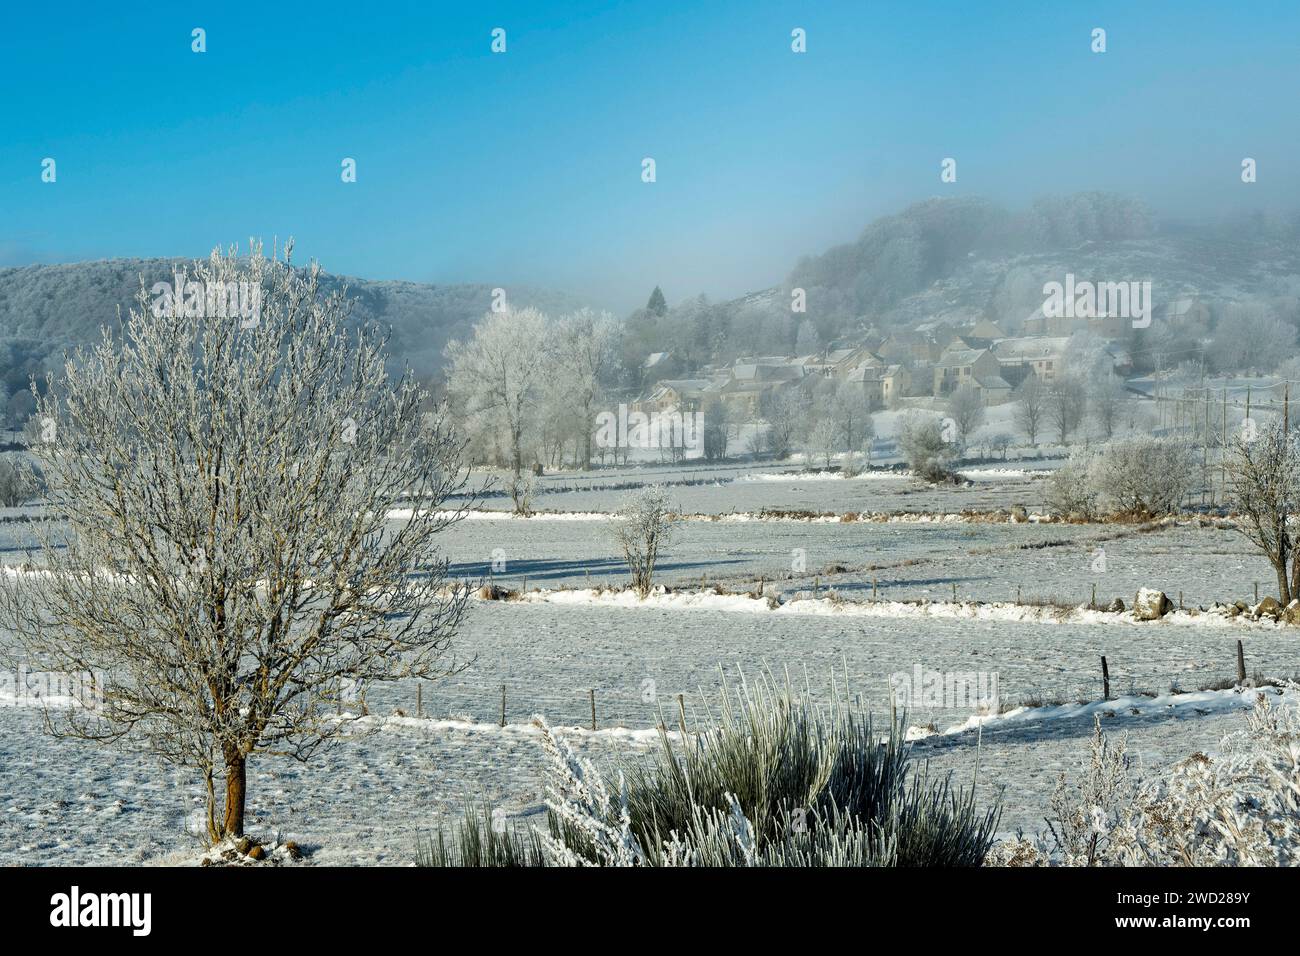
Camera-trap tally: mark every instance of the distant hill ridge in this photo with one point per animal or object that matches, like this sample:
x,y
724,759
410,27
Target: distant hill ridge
x,y
45,309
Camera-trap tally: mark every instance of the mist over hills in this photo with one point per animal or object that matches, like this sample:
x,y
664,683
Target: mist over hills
x,y
963,260
954,260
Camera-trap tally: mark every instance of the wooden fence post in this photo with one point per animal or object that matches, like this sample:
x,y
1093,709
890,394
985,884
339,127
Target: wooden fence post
x,y
1105,679
503,705
592,693
681,712
419,699
1241,665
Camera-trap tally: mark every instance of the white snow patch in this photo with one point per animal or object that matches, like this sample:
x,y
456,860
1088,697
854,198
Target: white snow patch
x,y
799,604
1200,703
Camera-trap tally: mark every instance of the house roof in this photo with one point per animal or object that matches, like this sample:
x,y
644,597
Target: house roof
x,y
958,358
992,383
681,385
863,373
754,372
985,328
654,358
934,325
1030,347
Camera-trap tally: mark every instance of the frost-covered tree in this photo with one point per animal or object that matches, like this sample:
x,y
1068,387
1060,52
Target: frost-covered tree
x,y
966,409
1071,489
717,430
786,412
821,441
807,341
1105,401
1250,335
1067,403
582,353
17,481
218,546
851,415
642,529
1030,412
495,378
1264,486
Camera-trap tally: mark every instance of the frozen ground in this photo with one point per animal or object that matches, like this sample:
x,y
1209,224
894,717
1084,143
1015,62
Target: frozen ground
x,y
719,489
367,801
988,562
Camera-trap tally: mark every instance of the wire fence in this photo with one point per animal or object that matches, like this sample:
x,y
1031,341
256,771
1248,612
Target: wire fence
x,y
1081,679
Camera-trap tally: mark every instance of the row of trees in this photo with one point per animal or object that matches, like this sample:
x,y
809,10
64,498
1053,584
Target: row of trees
x,y
526,388
1060,408
823,422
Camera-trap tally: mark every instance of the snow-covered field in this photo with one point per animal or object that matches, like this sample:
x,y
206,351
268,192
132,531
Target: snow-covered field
x,y
724,488
908,560
368,800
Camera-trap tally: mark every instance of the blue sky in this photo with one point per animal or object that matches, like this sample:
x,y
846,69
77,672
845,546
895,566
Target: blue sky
x,y
524,167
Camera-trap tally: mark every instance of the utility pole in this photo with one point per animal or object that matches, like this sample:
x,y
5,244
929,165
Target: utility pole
x,y
1160,407
1205,435
1223,447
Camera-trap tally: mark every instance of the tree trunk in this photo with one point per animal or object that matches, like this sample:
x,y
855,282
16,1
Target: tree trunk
x,y
1295,576
1283,587
233,823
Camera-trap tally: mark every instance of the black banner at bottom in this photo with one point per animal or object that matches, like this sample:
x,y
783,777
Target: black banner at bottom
x,y
324,905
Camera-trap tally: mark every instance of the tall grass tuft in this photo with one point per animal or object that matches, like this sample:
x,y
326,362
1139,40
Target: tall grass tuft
x,y
474,841
775,781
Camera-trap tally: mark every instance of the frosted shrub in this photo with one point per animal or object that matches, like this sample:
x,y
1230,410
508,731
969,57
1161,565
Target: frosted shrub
x,y
1070,489
595,827
643,528
18,481
522,489
926,451
1241,808
1143,476
776,782
1087,815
